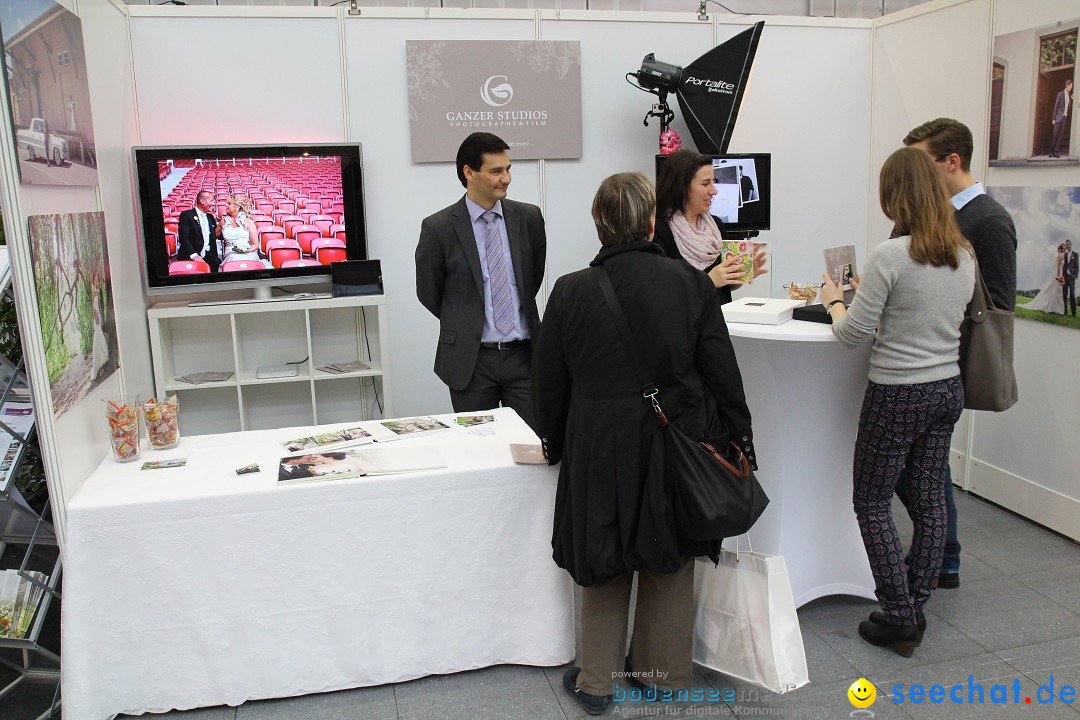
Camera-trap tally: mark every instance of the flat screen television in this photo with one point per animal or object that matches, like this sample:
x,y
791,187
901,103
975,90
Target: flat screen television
x,y
306,210
744,190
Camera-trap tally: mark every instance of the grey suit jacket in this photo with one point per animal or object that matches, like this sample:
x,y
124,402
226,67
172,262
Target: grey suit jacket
x,y
450,282
1060,102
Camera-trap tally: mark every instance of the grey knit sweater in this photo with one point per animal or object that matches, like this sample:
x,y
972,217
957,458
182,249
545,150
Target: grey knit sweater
x,y
912,311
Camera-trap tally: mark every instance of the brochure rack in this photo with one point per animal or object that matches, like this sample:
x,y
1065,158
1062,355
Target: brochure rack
x,y
20,524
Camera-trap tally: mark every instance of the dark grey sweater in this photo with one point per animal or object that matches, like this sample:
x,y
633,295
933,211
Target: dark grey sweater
x,y
990,230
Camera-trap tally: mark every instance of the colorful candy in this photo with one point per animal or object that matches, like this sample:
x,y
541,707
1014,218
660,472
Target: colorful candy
x,y
802,291
162,422
123,419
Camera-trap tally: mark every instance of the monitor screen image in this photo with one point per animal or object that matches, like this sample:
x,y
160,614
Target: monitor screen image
x,y
743,190
294,210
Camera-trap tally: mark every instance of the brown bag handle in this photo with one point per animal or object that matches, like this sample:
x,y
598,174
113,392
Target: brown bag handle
x,y
741,474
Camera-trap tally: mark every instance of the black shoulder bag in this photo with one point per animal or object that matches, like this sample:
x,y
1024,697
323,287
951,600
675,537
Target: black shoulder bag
x,y
711,497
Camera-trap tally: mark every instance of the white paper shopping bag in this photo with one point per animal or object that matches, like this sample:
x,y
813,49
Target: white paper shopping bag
x,y
746,625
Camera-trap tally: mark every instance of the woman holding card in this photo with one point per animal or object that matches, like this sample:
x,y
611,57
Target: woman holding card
x,y
687,231
909,302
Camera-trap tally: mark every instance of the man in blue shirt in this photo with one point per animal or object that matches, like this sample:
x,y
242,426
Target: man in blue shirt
x,y
479,265
990,230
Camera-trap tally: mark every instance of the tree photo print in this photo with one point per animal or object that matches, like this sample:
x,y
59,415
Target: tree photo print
x,y
75,304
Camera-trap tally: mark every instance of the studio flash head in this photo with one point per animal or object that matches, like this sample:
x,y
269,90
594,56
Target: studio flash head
x,y
658,75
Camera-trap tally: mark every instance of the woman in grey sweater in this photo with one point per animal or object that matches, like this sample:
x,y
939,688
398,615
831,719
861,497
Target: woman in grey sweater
x,y
910,302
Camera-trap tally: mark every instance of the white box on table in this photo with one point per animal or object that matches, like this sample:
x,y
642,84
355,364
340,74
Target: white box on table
x,y
762,311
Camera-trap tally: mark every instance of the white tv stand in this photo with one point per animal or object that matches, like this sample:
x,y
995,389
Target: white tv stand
x,y
241,337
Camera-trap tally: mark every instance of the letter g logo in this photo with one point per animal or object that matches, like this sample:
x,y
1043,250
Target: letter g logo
x,y
496,95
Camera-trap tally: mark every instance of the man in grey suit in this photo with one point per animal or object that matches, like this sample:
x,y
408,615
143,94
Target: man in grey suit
x,y
479,265
1061,117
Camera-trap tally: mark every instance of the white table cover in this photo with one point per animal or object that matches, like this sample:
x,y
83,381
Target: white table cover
x,y
805,390
193,587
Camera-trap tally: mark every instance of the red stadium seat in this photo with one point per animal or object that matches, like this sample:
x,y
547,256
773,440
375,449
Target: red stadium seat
x,y
234,265
280,251
170,241
327,255
269,234
304,234
290,223
264,206
286,205
262,221
326,242
338,231
300,263
188,267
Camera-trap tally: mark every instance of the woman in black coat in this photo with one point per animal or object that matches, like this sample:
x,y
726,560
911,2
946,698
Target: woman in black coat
x,y
593,418
687,231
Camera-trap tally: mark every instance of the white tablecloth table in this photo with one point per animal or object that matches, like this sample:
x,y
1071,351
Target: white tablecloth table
x,y
192,587
805,390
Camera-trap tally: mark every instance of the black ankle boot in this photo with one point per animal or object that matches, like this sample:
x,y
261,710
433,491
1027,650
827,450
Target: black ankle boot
x,y
878,618
901,638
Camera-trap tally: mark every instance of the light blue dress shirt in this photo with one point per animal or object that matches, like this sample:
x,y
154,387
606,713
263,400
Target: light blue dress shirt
x,y
521,327
963,197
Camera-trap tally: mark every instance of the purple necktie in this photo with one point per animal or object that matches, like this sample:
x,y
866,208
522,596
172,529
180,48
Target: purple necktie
x,y
502,304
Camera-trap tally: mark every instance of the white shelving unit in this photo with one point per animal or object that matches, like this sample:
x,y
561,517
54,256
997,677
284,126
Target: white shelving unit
x,y
241,337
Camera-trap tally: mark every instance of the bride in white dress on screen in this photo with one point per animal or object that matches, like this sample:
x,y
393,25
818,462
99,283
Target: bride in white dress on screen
x,y
241,240
1049,298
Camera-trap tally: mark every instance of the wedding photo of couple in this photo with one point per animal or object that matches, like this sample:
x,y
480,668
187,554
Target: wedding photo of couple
x,y
1047,258
1058,295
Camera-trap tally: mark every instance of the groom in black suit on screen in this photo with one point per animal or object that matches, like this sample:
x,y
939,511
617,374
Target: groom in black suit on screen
x,y
479,265
1069,270
199,232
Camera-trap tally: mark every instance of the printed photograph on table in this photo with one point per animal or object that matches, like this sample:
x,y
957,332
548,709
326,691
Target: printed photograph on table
x,y
1047,234
473,420
408,427
45,72
1033,94
355,462
350,436
75,303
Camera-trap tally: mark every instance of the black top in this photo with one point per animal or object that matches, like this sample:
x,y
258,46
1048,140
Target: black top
x,y
592,416
665,239
990,230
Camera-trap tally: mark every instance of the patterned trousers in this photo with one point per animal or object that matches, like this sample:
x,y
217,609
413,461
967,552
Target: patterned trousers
x,y
904,428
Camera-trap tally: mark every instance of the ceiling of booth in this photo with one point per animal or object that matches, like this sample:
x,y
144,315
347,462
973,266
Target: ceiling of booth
x,y
815,8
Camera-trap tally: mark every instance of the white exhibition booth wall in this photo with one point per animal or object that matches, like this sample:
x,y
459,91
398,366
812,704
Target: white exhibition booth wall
x,y
829,98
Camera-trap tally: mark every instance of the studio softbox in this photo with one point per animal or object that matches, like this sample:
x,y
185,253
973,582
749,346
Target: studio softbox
x,y
711,88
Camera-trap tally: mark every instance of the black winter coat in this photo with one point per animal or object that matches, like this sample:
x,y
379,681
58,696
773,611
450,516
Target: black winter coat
x,y
592,416
665,238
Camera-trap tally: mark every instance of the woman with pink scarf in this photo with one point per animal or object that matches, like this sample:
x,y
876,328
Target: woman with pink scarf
x,y
687,231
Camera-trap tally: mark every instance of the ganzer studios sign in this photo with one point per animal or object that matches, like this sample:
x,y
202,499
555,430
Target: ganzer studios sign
x,y
527,92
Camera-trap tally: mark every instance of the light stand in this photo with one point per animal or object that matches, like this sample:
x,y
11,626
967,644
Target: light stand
x,y
660,110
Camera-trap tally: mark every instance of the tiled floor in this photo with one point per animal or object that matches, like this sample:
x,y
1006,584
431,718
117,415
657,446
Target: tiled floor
x,y
1013,622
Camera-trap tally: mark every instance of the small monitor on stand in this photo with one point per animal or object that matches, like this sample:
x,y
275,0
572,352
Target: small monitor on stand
x,y
743,198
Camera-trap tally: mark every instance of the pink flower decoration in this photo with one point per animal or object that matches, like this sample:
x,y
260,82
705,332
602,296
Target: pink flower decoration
x,y
670,142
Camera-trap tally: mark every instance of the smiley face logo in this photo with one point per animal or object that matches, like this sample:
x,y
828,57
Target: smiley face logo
x,y
862,693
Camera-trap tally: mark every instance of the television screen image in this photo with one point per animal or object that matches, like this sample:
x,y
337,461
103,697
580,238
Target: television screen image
x,y
743,190
248,216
